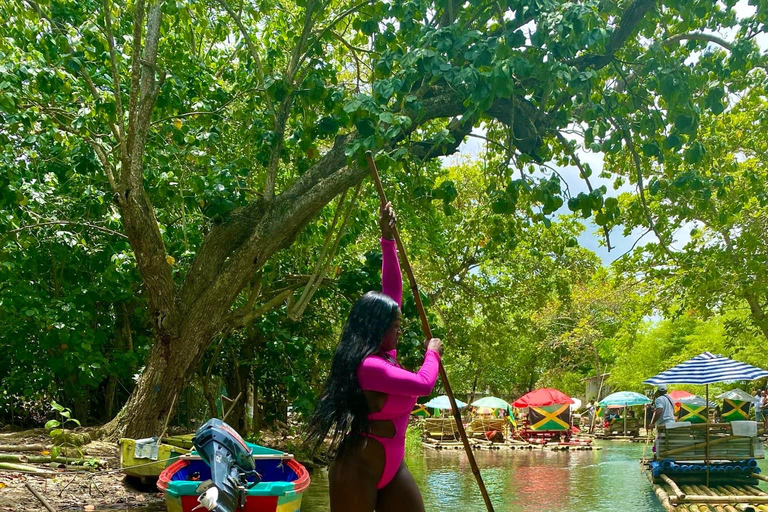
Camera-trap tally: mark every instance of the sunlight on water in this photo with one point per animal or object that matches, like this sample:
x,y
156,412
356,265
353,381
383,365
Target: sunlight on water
x,y
608,480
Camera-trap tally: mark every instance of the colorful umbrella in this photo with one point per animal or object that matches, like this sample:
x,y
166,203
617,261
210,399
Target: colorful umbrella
x,y
707,368
491,402
542,397
677,395
443,403
624,399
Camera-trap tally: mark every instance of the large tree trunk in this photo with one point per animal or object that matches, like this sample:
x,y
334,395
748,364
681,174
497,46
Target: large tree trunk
x,y
160,385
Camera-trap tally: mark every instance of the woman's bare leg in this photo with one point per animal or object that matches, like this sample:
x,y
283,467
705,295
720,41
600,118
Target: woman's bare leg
x,y
401,494
353,476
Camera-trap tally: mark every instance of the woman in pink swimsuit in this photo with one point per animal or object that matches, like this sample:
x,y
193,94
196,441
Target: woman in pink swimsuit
x,y
368,398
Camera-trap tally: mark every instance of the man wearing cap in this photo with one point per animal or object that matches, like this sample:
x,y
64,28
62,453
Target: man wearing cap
x,y
664,407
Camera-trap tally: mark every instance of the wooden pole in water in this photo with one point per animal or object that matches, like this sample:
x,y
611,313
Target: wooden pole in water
x,y
428,334
626,409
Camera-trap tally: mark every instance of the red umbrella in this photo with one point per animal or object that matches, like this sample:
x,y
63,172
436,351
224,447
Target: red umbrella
x,y
542,397
677,395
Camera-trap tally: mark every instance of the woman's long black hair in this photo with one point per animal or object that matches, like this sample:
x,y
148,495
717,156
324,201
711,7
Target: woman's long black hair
x,y
342,409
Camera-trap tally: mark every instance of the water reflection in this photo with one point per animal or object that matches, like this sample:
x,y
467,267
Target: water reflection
x,y
531,481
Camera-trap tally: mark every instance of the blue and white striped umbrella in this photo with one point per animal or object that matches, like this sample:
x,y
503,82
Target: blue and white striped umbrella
x,y
707,368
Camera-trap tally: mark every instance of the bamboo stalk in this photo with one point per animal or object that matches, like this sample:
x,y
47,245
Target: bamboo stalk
x,y
663,498
697,446
25,468
22,448
428,334
703,489
760,477
40,498
37,459
728,498
232,407
675,489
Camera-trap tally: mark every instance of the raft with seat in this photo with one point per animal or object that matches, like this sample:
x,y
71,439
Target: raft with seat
x,y
548,418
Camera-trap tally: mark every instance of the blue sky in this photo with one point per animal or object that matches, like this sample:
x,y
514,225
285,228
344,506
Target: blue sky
x,y
592,238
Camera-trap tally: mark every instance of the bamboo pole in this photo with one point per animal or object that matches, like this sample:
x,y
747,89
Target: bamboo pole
x,y
696,446
706,446
40,459
709,492
675,489
232,407
25,468
22,448
428,334
759,477
725,499
663,498
40,498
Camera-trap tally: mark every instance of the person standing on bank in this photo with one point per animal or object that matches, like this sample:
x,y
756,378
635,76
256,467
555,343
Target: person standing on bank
x,y
664,407
368,398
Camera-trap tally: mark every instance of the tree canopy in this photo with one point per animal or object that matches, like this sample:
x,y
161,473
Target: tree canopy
x,y
165,153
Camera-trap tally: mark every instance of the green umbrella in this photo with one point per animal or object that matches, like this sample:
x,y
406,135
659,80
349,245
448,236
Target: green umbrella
x,y
491,402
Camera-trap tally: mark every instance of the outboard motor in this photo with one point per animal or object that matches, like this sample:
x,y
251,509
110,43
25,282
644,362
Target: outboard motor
x,y
231,463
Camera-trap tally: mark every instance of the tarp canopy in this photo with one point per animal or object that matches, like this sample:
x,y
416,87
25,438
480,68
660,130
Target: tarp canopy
x,y
576,405
695,400
624,399
542,397
443,403
736,394
491,402
707,368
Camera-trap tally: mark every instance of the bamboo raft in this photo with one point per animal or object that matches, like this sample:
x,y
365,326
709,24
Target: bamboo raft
x,y
733,490
727,494
434,444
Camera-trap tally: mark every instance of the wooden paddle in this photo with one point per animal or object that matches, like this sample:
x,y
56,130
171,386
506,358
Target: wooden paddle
x,y
428,334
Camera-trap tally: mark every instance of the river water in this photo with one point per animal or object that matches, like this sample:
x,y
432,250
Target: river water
x,y
607,480
523,480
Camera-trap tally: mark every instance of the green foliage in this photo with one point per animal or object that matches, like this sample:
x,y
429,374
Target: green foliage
x,y
61,437
299,91
715,202
413,439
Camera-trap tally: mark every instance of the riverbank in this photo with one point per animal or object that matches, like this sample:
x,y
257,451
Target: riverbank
x,y
103,488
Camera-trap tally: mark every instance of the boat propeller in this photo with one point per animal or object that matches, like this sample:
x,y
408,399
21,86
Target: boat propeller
x,y
208,496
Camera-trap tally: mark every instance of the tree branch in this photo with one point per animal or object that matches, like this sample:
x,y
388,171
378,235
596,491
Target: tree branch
x,y
115,77
67,223
240,321
251,48
627,25
133,101
641,190
698,36
585,177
